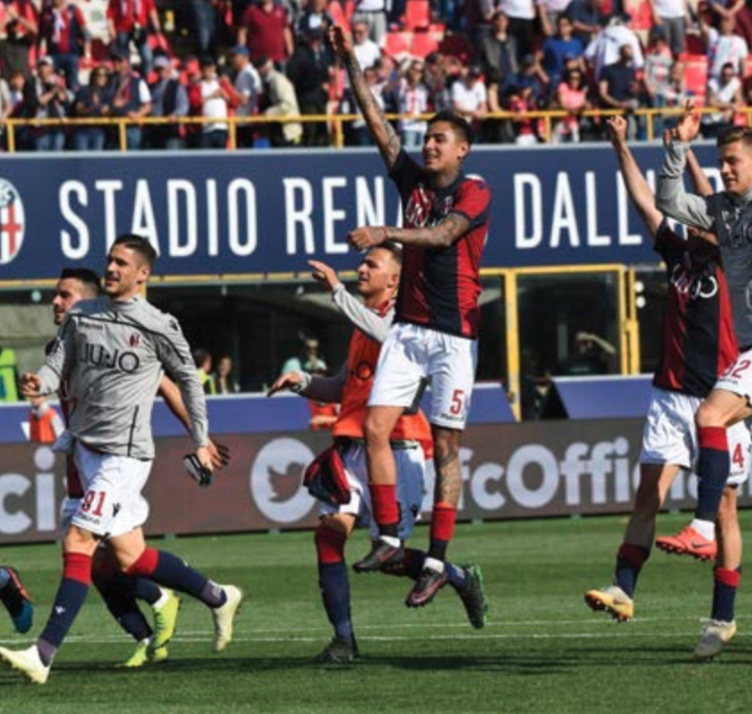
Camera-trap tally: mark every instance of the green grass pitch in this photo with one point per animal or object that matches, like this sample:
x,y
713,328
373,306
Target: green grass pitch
x,y
542,650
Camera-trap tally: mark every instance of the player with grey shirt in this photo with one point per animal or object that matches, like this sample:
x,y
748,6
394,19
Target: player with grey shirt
x,y
728,215
111,354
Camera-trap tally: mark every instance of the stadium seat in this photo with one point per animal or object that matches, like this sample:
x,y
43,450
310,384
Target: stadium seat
x,y
337,13
397,43
696,74
425,42
642,17
457,45
417,14
747,66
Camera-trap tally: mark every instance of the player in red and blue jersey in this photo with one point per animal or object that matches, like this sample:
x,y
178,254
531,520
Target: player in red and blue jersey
x,y
698,344
435,331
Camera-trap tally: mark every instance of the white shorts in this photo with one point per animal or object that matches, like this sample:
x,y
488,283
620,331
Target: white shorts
x,y
411,467
112,504
670,436
738,377
412,355
68,508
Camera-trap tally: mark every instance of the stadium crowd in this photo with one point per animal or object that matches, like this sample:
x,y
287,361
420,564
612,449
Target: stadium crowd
x,y
218,58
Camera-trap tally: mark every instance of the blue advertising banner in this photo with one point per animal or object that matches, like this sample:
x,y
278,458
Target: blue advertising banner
x,y
231,213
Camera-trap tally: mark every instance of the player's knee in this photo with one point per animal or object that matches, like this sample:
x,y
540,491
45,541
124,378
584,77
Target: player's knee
x,y
446,443
709,416
727,515
376,430
77,540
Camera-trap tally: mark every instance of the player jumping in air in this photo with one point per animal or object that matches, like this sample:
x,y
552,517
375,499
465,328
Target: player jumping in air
x,y
111,352
378,277
728,215
119,591
698,344
435,330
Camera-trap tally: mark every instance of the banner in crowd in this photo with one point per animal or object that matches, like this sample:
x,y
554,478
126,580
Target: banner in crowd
x,y
509,471
233,213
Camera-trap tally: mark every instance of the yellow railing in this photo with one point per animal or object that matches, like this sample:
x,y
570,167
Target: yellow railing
x,y
335,121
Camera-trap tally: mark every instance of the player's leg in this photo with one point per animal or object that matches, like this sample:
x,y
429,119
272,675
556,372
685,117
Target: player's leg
x,y
721,626
617,599
397,386
722,409
330,537
16,600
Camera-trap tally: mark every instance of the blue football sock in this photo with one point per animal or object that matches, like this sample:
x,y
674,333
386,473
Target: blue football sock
x,y
629,562
146,590
725,585
713,469
335,592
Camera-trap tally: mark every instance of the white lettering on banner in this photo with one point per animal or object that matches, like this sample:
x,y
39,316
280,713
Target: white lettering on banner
x,y
242,245
13,485
625,237
44,460
15,520
143,222
370,208
212,222
522,239
68,241
564,216
333,215
591,202
298,215
538,456
108,188
177,190
276,483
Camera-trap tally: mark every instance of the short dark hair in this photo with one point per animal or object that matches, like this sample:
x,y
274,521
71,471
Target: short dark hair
x,y
88,278
138,244
460,125
734,134
395,249
200,355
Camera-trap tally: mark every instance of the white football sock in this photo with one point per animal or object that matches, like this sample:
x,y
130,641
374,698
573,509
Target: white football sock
x,y
705,528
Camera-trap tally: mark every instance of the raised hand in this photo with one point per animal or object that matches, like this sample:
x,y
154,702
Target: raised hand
x,y
341,41
688,126
285,382
324,275
366,237
30,385
617,126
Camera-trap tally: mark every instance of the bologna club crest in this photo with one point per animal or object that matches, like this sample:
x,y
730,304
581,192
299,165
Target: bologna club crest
x,y
12,222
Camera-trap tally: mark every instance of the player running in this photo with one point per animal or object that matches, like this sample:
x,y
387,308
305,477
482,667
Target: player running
x,y
110,352
435,331
728,215
698,344
378,277
118,590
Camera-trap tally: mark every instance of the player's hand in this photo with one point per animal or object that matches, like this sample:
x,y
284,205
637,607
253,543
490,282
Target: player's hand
x,y
617,126
688,127
324,275
203,454
341,41
366,237
288,381
30,385
219,453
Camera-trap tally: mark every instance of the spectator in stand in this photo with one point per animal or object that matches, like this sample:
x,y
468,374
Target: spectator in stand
x,y
209,99
315,17
558,49
22,106
52,102
280,101
356,131
19,25
130,21
658,63
373,14
677,93
549,12
520,101
498,51
203,360
726,95
5,110
247,89
723,47
310,70
413,101
476,16
389,81
521,14
587,17
435,80
735,10
469,95
672,16
571,96
618,87
266,30
130,96
169,100
366,50
63,31
203,23
606,48
224,377
92,102
531,76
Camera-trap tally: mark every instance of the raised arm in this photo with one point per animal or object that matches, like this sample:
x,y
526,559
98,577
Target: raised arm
x,y
671,198
700,179
382,131
320,389
637,186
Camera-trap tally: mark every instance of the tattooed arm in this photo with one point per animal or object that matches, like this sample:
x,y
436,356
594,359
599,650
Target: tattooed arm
x,y
451,229
382,131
